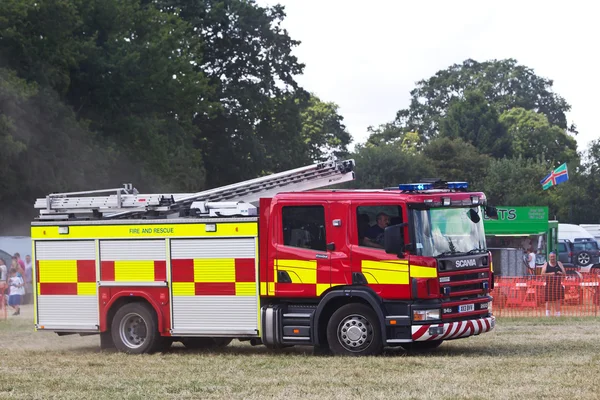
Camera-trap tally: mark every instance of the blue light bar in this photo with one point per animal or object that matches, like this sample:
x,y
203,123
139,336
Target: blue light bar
x,y
412,187
458,185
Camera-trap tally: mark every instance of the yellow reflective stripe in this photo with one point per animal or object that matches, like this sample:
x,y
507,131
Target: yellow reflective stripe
x,y
391,265
214,270
263,288
383,272
58,271
134,271
86,289
417,271
184,289
145,231
245,288
309,264
271,288
300,271
381,276
321,287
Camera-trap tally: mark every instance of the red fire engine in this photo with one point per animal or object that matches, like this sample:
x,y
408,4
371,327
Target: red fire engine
x,y
270,261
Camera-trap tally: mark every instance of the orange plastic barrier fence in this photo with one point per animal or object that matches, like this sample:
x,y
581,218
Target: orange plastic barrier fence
x,y
540,296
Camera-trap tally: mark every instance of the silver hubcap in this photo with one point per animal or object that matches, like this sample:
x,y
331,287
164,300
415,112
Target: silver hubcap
x,y
584,259
355,333
133,330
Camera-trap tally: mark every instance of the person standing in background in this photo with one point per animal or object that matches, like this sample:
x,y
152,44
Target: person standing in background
x,y
20,261
17,290
28,280
3,271
531,261
15,264
3,278
554,271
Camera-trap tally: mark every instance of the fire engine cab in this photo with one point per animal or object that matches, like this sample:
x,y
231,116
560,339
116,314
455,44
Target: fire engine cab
x,y
271,261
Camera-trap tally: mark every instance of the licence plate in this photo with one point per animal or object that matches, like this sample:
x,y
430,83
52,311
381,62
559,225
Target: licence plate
x,y
466,308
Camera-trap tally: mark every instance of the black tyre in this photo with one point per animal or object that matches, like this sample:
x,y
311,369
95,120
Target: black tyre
x,y
422,346
134,329
354,330
205,342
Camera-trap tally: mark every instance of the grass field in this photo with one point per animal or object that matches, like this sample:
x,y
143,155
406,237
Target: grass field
x,y
522,358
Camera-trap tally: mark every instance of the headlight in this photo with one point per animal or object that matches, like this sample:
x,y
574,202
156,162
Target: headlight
x,y
426,315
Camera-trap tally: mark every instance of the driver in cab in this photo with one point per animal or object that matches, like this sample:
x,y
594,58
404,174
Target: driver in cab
x,y
374,235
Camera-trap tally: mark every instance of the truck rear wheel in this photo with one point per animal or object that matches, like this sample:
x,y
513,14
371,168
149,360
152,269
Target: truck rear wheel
x,y
354,330
134,329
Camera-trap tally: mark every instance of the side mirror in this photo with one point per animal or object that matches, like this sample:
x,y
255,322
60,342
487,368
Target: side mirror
x,y
474,216
393,239
491,212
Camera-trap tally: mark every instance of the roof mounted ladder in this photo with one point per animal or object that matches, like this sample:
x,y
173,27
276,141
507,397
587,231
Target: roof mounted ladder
x,y
126,202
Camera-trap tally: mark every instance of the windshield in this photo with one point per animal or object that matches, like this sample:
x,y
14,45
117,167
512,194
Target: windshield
x,y
585,246
446,231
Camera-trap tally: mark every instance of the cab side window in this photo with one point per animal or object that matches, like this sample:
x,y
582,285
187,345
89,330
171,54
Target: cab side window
x,y
372,221
304,227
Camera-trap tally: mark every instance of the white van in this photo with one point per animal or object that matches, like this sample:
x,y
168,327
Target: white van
x,y
593,229
572,232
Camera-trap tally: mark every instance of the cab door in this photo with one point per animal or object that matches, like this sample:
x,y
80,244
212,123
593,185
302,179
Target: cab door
x,y
387,274
302,262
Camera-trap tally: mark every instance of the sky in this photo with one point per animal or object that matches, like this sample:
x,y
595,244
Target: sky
x,y
367,56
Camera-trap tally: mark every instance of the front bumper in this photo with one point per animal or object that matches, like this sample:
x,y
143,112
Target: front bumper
x,y
452,330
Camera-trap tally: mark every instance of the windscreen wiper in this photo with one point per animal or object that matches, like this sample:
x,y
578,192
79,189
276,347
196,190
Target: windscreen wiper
x,y
475,251
448,253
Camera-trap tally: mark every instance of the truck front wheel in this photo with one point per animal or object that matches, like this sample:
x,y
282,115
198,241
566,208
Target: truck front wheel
x,y
134,329
354,330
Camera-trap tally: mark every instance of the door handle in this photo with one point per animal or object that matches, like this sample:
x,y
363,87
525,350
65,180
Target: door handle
x,y
330,246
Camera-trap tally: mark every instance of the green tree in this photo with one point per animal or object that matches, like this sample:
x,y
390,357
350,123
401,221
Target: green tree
x,y
126,68
580,194
516,182
14,93
504,83
247,57
43,41
323,130
388,133
45,150
475,121
387,166
533,136
456,160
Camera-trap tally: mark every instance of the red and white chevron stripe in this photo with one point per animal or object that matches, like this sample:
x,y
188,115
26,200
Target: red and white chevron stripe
x,y
454,330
